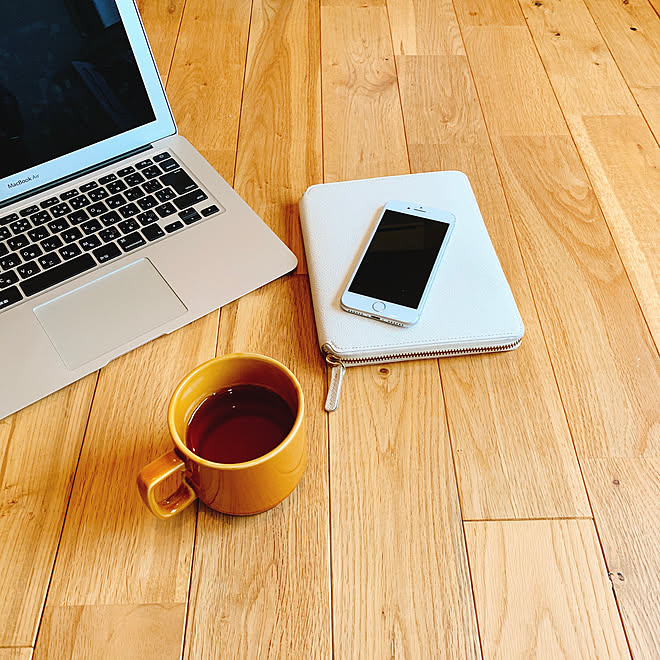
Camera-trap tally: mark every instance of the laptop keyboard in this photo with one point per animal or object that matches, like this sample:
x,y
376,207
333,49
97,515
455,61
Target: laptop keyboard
x,y
63,236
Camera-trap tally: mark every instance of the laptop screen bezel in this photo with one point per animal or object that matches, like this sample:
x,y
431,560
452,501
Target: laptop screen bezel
x,y
54,170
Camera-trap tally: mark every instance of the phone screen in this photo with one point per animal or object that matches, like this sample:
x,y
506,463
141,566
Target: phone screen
x,y
400,258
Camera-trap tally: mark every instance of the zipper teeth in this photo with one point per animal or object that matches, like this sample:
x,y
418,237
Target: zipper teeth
x,y
412,356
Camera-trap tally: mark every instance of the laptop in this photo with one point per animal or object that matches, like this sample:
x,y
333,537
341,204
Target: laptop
x,y
114,230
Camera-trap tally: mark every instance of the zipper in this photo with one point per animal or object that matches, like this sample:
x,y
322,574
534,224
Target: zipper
x,y
338,365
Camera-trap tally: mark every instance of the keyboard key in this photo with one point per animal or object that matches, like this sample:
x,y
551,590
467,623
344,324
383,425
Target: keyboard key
x,y
210,210
152,232
4,233
57,226
174,226
110,218
40,218
91,227
125,171
115,201
58,274
97,209
192,217
79,202
89,243
131,241
152,186
71,235
49,260
134,193
107,179
10,261
165,194
162,156
152,172
144,163
69,194
147,202
116,186
18,242
30,252
38,234
51,243
5,250
51,201
77,217
134,179
179,180
9,297
30,210
98,194
20,226
7,279
5,220
147,218
106,252
165,209
190,198
128,226
129,210
169,165
28,270
110,234
60,210
89,186
69,251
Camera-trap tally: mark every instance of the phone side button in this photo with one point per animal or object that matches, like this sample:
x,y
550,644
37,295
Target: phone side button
x,y
378,306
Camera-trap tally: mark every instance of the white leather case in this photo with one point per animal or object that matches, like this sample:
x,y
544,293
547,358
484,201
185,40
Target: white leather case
x,y
470,308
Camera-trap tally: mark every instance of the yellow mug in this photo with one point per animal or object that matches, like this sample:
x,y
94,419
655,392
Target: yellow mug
x,y
237,488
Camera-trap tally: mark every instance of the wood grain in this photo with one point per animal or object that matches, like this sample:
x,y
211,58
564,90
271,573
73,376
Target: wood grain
x,y
260,584
399,574
162,19
512,448
39,449
279,152
16,653
625,495
632,33
620,154
555,568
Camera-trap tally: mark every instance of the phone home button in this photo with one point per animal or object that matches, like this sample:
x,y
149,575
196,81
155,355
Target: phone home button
x,y
378,306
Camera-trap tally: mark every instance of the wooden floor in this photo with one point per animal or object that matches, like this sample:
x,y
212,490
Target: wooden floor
x,y
504,506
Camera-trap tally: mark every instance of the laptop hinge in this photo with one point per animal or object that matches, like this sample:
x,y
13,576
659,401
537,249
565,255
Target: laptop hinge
x,y
75,175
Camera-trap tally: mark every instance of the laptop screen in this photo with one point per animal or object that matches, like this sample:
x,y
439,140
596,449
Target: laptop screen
x,y
68,79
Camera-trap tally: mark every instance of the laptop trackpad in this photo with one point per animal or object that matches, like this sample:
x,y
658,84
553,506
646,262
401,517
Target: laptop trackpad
x,y
107,313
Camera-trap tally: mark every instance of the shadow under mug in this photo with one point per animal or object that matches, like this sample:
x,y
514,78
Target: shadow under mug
x,y
236,488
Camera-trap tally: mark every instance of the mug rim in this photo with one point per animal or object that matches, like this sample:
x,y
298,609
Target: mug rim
x,y
180,444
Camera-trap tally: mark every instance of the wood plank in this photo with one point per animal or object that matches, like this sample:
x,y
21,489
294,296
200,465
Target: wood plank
x,y
279,152
206,81
619,152
391,473
260,584
17,653
513,452
162,20
360,94
123,556
588,310
625,495
556,569
632,32
39,449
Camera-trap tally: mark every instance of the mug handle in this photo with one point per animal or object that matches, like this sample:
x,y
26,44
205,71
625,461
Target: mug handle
x,y
156,472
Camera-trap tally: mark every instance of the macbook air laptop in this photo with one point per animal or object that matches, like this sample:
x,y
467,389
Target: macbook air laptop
x,y
113,229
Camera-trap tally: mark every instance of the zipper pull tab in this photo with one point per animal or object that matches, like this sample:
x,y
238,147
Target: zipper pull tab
x,y
337,371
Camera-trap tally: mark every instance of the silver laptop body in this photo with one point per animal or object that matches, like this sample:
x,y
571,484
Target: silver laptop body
x,y
171,262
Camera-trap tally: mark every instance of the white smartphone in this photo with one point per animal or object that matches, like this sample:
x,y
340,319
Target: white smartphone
x,y
394,273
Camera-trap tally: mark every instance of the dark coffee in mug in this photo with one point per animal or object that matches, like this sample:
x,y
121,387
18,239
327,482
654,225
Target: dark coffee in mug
x,y
239,424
